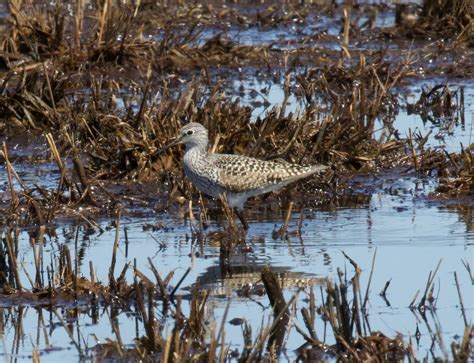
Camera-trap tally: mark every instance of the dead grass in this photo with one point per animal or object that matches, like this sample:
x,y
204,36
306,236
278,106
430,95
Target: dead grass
x,y
162,74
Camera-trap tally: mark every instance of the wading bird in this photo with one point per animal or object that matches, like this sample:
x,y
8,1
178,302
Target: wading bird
x,y
238,177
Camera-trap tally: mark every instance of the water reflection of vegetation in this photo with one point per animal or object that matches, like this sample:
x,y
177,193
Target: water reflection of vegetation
x,y
196,334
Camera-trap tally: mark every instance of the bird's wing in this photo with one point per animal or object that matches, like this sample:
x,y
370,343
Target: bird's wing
x,y
238,173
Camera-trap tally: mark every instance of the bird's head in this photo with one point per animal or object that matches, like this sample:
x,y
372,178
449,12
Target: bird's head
x,y
192,135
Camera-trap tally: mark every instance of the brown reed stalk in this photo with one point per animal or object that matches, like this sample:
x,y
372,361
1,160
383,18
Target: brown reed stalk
x,y
14,197
78,22
284,228
179,283
258,346
463,311
112,281
159,282
102,22
431,277
366,298
12,260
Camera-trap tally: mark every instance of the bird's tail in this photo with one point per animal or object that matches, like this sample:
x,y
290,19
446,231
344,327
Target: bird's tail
x,y
310,170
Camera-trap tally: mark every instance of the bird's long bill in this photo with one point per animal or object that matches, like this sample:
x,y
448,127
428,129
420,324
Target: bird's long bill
x,y
164,148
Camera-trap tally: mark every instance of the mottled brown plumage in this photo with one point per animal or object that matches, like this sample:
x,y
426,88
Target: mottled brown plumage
x,y
238,177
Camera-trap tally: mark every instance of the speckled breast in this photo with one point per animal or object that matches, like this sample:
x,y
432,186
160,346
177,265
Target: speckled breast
x,y
203,181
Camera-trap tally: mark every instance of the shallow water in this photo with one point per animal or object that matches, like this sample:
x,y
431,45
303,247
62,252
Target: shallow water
x,y
450,132
406,231
447,133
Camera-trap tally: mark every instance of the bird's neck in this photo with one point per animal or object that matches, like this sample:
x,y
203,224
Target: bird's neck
x,y
197,150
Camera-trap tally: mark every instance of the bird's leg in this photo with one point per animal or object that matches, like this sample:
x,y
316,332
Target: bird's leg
x,y
241,216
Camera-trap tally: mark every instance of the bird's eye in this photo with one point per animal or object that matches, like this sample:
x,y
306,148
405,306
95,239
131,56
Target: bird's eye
x,y
189,132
